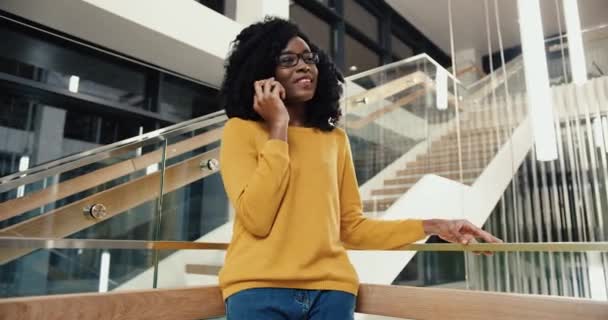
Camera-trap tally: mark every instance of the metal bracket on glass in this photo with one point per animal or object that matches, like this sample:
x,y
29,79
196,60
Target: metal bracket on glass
x,y
97,211
364,100
210,164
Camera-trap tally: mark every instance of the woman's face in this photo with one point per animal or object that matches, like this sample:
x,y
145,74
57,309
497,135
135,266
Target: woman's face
x,y
297,71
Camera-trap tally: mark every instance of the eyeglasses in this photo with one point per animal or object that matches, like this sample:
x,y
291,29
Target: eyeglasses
x,y
288,60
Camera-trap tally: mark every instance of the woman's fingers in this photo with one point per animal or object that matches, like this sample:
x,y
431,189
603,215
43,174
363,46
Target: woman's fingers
x,y
278,89
256,106
259,92
480,233
268,87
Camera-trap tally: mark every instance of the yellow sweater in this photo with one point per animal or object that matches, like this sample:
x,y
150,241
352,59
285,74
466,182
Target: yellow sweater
x,y
297,208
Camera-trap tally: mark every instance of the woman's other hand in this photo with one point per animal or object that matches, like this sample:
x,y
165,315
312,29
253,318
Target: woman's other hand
x,y
457,231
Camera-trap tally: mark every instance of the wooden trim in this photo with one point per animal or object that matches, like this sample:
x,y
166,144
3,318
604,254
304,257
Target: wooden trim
x,y
64,189
394,301
475,69
362,122
69,219
445,304
63,243
203,269
388,89
154,304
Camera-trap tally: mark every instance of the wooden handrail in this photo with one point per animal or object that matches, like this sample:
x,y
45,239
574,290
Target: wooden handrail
x,y
445,304
362,122
177,304
69,219
394,301
15,207
388,89
204,269
468,69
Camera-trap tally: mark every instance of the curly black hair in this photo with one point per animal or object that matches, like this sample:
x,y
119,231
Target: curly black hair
x,y
253,56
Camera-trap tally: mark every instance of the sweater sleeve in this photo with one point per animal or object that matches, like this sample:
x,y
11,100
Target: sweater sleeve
x,y
255,180
359,232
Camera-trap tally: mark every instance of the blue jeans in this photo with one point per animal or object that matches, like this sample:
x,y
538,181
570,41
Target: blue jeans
x,y
288,304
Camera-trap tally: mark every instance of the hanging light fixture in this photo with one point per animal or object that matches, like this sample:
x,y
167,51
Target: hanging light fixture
x,y
24,164
104,271
575,42
73,84
540,102
441,88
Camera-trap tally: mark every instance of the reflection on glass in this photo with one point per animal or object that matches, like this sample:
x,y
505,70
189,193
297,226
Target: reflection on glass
x,y
358,57
60,64
61,271
318,30
400,49
186,100
360,17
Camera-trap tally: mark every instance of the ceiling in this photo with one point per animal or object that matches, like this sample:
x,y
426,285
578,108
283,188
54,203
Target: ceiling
x,y
431,18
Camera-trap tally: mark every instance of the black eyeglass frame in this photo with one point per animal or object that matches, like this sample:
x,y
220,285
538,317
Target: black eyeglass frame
x,y
313,59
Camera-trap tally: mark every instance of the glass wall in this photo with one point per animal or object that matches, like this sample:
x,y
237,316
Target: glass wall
x,y
58,97
358,57
365,21
358,34
317,29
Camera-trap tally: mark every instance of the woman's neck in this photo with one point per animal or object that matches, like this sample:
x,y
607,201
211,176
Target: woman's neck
x,y
297,114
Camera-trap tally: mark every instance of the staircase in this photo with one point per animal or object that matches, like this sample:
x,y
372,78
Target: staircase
x,y
479,141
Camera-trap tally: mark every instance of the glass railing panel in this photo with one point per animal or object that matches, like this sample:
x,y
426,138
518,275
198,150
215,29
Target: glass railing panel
x,y
123,208
567,269
79,270
30,174
194,201
434,269
443,157
102,177
184,268
114,198
595,44
117,198
385,116
569,274
595,47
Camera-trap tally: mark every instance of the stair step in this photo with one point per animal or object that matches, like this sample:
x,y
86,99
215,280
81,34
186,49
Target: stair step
x,y
414,178
476,131
437,171
391,191
466,154
447,150
405,173
449,160
378,204
471,137
443,167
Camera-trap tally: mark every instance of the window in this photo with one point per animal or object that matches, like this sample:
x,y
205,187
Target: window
x,y
358,57
58,65
400,49
314,27
362,19
215,5
185,100
328,3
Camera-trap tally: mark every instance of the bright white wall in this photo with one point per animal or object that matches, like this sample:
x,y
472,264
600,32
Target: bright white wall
x,y
179,35
250,11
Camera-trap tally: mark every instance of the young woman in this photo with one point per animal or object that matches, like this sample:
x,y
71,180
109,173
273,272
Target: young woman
x,y
288,172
